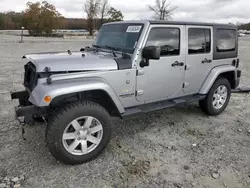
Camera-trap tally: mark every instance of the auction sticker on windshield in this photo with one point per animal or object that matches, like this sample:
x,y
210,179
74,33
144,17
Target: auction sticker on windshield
x,y
134,29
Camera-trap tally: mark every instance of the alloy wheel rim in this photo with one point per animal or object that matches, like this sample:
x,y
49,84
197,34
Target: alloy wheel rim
x,y
82,135
220,97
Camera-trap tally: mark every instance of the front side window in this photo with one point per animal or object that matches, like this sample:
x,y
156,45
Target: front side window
x,y
199,41
226,40
167,38
119,36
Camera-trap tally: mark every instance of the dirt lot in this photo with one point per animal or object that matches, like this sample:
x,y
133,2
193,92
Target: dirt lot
x,y
173,148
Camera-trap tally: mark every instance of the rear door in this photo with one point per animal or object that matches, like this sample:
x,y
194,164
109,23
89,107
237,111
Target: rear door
x,y
199,56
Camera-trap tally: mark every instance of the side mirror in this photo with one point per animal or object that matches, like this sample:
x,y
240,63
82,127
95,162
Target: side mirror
x,y
151,52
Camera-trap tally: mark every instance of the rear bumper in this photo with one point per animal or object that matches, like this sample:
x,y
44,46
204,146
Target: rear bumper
x,y
25,108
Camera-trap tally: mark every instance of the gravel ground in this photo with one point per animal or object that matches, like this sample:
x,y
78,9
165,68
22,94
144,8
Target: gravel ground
x,y
173,148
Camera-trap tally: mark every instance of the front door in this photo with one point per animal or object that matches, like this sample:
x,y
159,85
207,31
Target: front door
x,y
163,79
199,50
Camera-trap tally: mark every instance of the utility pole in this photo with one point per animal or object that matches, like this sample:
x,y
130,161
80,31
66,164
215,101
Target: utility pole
x,y
22,34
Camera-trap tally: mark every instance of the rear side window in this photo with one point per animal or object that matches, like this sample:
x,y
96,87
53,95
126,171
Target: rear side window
x,y
199,41
167,38
226,40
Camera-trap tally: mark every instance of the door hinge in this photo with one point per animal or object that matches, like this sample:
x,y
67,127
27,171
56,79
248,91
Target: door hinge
x,y
185,85
187,67
140,72
139,92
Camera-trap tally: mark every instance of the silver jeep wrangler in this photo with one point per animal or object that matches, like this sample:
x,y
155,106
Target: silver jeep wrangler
x,y
132,67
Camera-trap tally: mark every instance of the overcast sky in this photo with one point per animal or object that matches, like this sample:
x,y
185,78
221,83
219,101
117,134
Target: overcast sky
x,y
223,11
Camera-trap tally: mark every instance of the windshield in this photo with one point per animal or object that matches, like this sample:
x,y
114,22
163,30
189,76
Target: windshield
x,y
121,37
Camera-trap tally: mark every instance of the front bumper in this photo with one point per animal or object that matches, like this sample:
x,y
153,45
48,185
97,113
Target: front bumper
x,y
25,108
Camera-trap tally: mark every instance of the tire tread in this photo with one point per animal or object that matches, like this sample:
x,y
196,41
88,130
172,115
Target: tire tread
x,y
53,128
205,104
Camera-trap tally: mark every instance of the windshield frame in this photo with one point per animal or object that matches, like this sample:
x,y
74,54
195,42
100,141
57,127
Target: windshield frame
x,y
119,49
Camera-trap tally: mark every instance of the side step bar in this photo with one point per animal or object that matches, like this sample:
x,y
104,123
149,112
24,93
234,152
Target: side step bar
x,y
162,105
241,90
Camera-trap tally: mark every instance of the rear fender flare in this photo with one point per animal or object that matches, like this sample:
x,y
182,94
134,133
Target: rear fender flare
x,y
213,75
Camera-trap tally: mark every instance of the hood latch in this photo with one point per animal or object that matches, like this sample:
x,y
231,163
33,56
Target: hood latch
x,y
47,70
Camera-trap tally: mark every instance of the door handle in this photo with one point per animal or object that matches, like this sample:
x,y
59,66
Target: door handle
x,y
177,64
207,61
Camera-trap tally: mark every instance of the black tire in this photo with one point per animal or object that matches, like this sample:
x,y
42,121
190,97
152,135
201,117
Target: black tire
x,y
207,104
62,118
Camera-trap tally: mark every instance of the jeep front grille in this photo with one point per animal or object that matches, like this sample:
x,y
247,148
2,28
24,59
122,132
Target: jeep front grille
x,y
30,76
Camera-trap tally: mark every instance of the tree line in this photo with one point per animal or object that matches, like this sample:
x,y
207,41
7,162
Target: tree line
x,y
40,18
244,26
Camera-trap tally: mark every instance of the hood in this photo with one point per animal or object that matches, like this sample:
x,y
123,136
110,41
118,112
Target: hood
x,y
73,61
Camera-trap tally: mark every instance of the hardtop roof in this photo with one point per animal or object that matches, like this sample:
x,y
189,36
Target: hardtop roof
x,y
188,23
163,22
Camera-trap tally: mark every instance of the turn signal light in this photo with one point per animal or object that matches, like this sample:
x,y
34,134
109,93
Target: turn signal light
x,y
47,99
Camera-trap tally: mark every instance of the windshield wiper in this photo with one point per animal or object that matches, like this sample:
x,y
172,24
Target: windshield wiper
x,y
108,47
97,46
113,49
124,55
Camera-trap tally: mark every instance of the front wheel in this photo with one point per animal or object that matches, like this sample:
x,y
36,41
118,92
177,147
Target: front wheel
x,y
217,98
78,132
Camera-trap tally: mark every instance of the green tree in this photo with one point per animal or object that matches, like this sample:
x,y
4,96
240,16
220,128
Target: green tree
x,y
2,26
6,22
41,18
244,26
17,19
115,15
49,17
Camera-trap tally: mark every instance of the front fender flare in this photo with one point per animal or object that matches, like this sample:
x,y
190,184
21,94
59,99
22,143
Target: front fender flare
x,y
60,88
213,75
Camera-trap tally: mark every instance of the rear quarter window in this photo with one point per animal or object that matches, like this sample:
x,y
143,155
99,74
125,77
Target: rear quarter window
x,y
226,40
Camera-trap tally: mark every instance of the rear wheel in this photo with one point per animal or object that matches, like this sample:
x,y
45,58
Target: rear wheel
x,y
217,98
79,132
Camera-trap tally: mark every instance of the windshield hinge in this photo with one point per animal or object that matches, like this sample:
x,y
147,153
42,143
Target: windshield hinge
x,y
139,92
140,72
185,85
